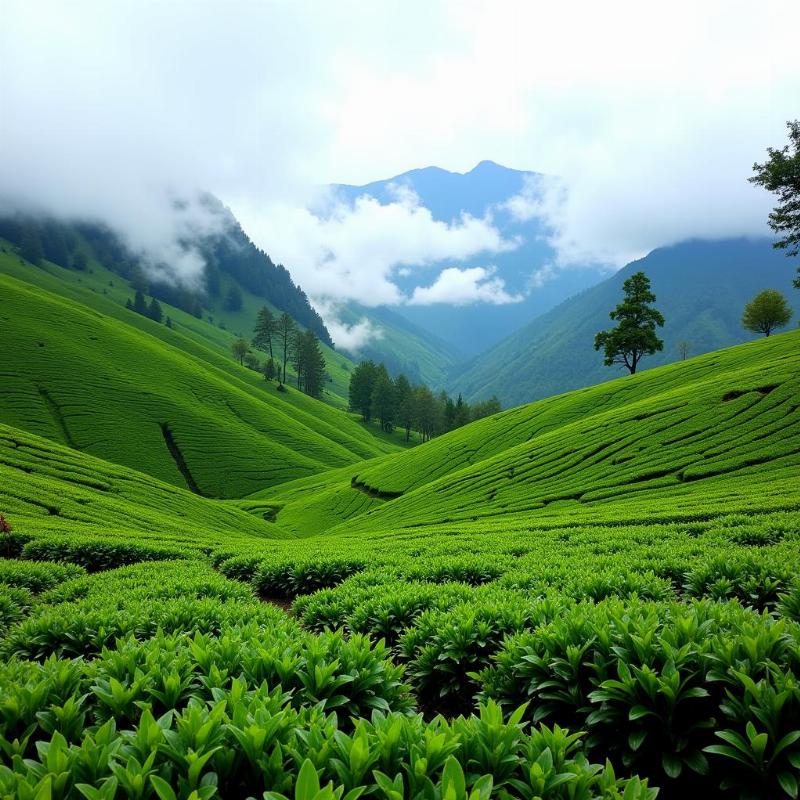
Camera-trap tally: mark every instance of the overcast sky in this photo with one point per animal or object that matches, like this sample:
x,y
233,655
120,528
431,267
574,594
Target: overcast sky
x,y
651,115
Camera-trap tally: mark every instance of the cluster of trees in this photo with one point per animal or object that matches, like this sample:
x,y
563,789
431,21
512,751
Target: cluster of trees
x,y
635,334
284,343
152,310
398,403
44,238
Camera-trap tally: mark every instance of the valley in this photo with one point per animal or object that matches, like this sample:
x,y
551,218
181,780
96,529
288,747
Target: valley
x,y
399,401
549,559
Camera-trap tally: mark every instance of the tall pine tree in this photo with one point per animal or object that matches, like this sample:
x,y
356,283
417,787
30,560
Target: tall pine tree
x,y
635,334
265,331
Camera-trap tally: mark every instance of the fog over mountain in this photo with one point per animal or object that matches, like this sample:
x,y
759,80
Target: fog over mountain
x,y
115,111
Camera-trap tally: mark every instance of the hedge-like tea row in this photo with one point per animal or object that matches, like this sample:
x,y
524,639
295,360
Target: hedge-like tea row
x,y
197,718
84,615
37,577
95,554
701,697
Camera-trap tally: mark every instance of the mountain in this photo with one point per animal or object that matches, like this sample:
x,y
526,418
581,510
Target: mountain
x,y
231,263
701,288
403,346
482,191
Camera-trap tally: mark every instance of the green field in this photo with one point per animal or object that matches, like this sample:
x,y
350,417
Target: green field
x,y
112,390
591,596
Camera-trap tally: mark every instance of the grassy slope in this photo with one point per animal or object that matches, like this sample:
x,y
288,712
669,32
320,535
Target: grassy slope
x,y
403,346
701,288
660,444
100,288
47,488
81,377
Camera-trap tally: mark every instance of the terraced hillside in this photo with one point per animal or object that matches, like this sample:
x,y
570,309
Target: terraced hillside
x,y
209,337
621,562
113,390
55,493
719,431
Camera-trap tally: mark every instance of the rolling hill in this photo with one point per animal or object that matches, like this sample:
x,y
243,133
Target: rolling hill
x,y
701,288
134,392
716,427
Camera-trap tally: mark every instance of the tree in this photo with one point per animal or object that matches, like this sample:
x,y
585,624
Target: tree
x,y
296,354
683,349
240,348
285,333
310,363
80,261
128,304
780,174
362,381
485,408
269,369
448,411
154,310
139,303
461,414
264,330
169,323
383,399
766,312
635,335
426,409
404,401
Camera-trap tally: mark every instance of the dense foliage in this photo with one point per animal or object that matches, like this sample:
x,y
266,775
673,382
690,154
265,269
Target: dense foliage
x,y
588,597
780,174
766,312
395,402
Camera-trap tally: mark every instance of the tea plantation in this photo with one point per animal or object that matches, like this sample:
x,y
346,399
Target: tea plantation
x,y
593,596
84,379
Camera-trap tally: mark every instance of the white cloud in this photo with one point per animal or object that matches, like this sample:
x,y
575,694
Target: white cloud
x,y
349,337
541,276
345,251
462,287
651,113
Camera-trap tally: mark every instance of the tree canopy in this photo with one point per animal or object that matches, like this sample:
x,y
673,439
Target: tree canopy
x,y
780,174
375,395
635,335
265,331
766,312
309,362
240,348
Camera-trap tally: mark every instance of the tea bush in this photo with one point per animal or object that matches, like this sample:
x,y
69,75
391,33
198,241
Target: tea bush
x,y
651,683
37,577
94,554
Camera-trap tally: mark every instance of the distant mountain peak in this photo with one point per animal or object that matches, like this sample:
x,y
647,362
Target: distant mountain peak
x,y
490,166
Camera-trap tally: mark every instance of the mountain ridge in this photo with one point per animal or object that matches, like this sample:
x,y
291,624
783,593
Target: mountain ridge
x,y
554,353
